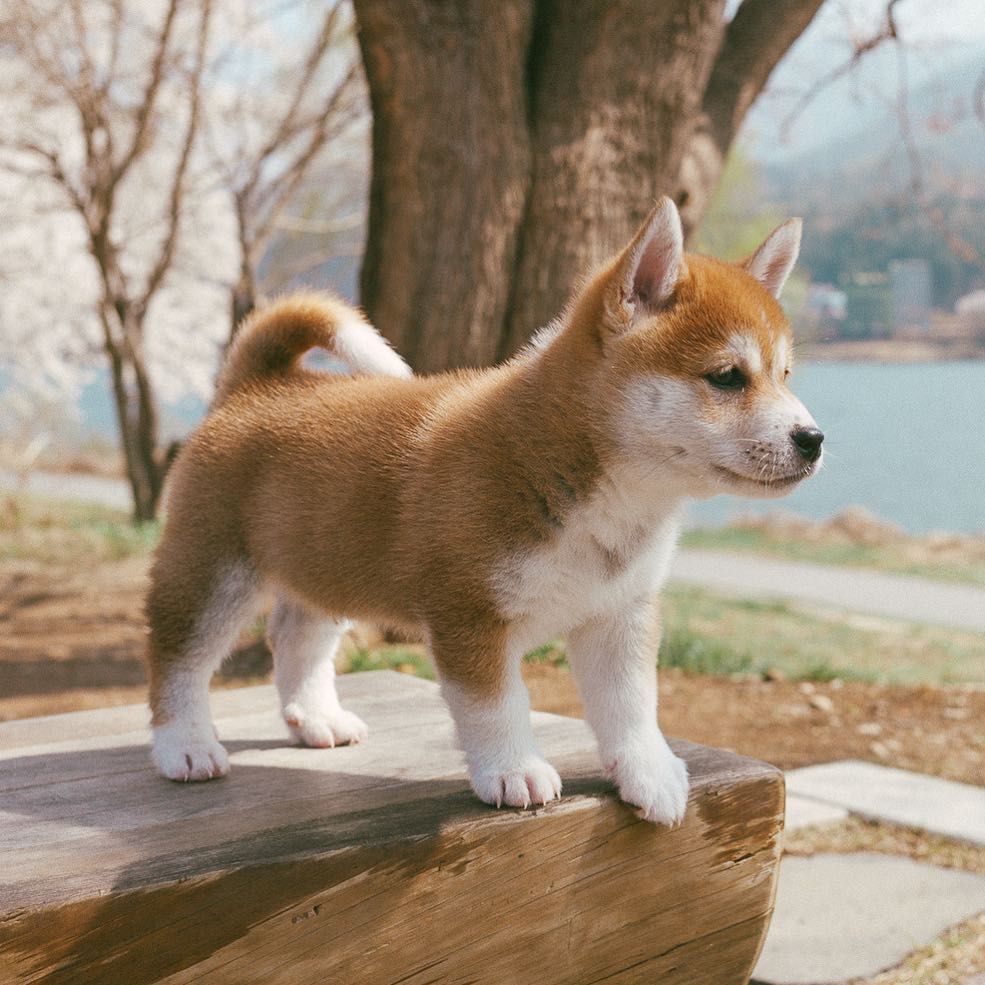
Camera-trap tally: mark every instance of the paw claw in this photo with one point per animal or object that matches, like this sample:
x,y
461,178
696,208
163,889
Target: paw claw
x,y
533,781
651,778
189,753
325,729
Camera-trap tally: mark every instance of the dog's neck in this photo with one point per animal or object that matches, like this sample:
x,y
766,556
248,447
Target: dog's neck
x,y
565,450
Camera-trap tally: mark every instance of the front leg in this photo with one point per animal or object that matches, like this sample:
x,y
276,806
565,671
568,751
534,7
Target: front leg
x,y
614,661
491,708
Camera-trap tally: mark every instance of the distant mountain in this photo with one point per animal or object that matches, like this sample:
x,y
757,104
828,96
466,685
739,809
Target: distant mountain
x,y
852,145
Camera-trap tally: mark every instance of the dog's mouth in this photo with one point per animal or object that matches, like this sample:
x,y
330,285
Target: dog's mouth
x,y
773,483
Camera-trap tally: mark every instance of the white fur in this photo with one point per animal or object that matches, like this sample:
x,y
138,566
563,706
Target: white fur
x,y
781,359
611,553
504,764
549,590
772,262
655,260
614,662
186,746
364,350
748,454
744,350
304,645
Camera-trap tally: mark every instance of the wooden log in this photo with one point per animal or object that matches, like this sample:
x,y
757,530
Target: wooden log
x,y
369,864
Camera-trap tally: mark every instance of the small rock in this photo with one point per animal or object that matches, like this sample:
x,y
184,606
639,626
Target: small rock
x,y
880,749
957,714
796,711
807,687
774,674
821,702
868,728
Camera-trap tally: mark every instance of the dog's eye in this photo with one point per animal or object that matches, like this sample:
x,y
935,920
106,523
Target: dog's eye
x,y
728,379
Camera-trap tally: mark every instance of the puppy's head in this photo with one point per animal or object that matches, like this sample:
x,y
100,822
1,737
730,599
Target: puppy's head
x,y
695,356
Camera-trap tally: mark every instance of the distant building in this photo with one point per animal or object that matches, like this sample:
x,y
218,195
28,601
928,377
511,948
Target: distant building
x,y
870,306
827,302
971,304
910,286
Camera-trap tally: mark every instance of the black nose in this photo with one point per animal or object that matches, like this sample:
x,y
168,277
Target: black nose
x,y
808,442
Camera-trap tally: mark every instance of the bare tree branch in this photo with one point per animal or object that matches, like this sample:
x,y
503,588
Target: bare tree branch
x,y
145,110
53,169
273,200
318,227
888,31
979,98
757,38
166,253
905,125
288,126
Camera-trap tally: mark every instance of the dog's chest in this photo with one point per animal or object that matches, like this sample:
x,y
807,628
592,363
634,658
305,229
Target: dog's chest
x,y
605,557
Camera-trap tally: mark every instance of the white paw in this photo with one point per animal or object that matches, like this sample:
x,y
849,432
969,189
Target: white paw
x,y
531,781
182,752
324,729
652,778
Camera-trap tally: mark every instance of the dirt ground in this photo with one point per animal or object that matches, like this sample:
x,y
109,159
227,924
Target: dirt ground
x,y
73,638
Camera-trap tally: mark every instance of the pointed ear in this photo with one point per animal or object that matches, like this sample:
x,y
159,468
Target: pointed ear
x,y
653,262
772,262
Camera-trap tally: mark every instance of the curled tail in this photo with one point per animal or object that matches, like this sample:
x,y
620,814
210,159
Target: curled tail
x,y
273,339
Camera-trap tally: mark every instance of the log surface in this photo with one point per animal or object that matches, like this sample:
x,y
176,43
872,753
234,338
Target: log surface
x,y
371,863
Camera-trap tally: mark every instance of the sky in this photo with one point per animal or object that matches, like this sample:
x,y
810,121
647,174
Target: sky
x,y
937,48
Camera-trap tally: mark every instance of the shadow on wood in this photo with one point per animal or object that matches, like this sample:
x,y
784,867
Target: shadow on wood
x,y
367,864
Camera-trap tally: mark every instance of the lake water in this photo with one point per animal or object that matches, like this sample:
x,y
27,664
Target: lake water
x,y
905,441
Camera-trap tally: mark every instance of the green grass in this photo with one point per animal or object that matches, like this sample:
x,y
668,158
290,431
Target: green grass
x,y
408,660
60,531
897,558
702,633
707,634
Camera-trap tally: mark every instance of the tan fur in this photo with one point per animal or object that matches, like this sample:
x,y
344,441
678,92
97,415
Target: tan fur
x,y
269,344
394,500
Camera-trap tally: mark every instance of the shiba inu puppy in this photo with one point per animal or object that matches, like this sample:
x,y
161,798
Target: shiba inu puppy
x,y
489,510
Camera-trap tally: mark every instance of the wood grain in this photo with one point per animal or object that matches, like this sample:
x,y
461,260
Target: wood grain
x,y
369,864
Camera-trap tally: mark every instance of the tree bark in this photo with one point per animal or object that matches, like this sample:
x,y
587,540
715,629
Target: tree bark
x,y
451,171
755,42
136,413
242,298
516,144
615,89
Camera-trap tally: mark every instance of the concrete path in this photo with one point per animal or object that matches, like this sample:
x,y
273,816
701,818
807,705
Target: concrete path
x,y
893,596
804,812
85,488
943,807
844,916
841,917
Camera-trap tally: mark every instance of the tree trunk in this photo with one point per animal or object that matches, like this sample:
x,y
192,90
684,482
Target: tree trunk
x,y
755,42
615,90
451,171
243,299
136,415
516,144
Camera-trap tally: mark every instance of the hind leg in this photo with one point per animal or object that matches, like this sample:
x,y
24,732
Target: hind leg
x,y
195,615
304,644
